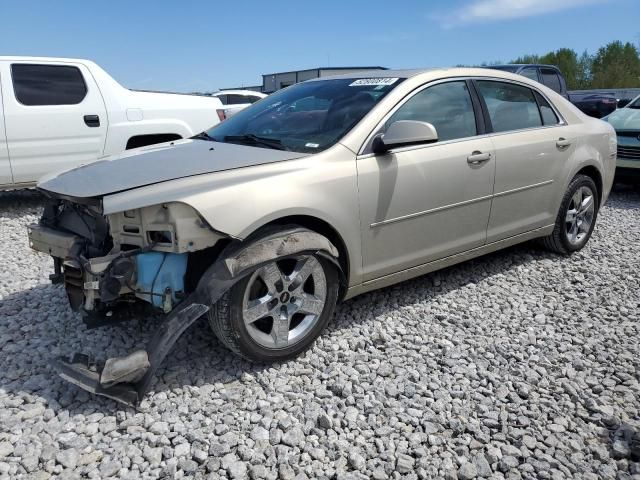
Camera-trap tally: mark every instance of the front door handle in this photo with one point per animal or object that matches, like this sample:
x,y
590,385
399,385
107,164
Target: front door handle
x,y
563,143
476,158
92,120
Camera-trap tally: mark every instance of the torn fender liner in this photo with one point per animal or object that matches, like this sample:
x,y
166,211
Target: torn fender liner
x,y
127,379
278,245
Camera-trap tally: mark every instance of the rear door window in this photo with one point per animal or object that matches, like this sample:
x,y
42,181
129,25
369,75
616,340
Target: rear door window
x,y
37,85
511,106
447,106
551,79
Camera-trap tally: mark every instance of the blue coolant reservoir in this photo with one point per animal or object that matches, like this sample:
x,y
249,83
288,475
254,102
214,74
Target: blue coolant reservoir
x,y
158,272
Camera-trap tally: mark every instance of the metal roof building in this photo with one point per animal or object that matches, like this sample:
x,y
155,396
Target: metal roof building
x,y
275,81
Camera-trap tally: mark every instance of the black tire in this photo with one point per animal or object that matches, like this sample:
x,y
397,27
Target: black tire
x,y
226,321
558,241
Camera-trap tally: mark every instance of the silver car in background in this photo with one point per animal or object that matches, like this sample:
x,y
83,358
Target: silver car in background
x,y
318,193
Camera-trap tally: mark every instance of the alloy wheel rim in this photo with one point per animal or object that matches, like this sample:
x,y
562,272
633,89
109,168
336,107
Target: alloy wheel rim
x,y
579,216
284,300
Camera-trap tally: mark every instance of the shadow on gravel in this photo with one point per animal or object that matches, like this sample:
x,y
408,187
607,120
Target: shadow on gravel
x,y
625,443
30,328
624,197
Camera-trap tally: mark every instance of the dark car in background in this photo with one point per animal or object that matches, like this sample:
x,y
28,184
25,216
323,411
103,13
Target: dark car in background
x,y
594,104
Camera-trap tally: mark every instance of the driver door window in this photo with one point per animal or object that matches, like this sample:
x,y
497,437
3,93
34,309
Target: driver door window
x,y
447,106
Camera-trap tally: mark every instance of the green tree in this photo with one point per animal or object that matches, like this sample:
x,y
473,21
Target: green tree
x,y
616,65
567,61
527,59
584,71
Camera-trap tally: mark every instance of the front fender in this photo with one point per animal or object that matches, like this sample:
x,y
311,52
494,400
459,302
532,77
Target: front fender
x,y
238,202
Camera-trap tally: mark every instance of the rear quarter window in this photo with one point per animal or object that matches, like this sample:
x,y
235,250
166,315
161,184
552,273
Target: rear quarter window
x,y
37,85
549,117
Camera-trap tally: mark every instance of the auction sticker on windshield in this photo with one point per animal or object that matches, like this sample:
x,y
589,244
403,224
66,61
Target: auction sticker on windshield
x,y
373,81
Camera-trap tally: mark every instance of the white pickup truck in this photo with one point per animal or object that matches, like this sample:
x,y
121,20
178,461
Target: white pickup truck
x,y
58,113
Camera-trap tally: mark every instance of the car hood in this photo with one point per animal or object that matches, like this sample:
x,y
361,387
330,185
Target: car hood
x,y
625,119
158,163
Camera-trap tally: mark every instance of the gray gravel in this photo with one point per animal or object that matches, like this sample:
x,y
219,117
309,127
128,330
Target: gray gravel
x,y
521,364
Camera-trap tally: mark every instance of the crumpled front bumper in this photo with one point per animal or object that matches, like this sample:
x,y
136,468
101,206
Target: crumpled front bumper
x,y
126,379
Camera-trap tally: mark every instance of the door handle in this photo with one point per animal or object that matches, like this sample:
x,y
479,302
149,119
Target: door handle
x,y
563,143
92,120
476,158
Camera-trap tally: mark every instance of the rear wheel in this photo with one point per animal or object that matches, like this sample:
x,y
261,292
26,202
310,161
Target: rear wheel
x,y
576,218
278,311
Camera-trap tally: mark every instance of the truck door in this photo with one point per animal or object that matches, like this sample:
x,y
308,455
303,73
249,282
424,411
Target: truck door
x,y
5,166
55,117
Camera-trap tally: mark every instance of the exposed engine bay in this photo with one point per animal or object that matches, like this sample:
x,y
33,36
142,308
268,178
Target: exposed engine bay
x,y
109,262
165,256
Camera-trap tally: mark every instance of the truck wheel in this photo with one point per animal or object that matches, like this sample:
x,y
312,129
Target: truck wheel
x,y
576,218
278,311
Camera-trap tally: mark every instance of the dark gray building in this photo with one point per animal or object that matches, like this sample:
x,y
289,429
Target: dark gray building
x,y
275,81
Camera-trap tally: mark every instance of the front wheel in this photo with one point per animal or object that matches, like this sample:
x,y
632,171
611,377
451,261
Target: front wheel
x,y
576,218
278,311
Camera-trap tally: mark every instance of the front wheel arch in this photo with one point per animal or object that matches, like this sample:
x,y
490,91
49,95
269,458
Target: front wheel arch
x,y
320,227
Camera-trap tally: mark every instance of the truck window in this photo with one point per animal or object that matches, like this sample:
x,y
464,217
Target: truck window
x,y
530,72
235,99
47,84
551,79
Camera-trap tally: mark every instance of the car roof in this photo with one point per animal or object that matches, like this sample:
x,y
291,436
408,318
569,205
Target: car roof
x,y
427,74
406,73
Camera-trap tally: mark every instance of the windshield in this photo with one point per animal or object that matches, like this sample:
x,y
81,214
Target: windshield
x,y
635,103
307,117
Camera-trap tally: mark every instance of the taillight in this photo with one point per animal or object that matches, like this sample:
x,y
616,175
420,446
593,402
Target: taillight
x,y
222,115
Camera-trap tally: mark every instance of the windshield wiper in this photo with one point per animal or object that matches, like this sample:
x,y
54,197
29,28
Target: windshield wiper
x,y
204,136
256,140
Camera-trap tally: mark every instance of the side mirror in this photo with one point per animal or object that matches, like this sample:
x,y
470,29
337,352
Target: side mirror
x,y
403,133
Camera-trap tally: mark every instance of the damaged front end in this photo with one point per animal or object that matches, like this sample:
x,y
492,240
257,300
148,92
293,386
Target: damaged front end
x,y
111,267
164,256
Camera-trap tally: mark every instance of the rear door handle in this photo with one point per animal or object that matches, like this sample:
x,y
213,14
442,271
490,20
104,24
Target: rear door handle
x,y
92,120
563,143
476,158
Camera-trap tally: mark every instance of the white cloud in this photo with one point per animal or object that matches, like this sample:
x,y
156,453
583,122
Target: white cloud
x,y
493,10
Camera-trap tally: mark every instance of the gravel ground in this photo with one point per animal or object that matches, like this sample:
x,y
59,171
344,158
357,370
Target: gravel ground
x,y
520,364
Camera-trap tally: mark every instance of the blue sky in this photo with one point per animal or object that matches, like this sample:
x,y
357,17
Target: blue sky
x,y
189,45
